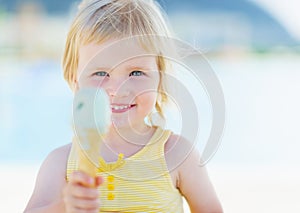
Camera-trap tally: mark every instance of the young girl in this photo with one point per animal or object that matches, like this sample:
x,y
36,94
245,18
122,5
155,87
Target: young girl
x,y
115,45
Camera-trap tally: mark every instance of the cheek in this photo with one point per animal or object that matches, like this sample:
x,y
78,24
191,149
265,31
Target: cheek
x,y
147,101
83,84
88,82
146,92
145,86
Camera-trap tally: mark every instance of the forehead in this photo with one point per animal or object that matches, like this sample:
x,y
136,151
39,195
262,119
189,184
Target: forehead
x,y
111,53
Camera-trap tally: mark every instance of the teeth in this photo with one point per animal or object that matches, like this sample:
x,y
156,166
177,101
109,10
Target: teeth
x,y
119,107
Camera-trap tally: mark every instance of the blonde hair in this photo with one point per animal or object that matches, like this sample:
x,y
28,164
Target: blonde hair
x,y
100,20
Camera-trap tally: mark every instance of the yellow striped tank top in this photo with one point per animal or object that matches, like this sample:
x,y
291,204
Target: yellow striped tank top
x,y
139,183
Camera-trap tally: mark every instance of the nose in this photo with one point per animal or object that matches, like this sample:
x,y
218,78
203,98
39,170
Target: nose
x,y
116,88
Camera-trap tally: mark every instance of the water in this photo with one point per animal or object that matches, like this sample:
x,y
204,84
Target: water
x,y
35,111
262,96
262,116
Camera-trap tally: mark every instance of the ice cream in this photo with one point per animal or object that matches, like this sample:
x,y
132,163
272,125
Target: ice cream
x,y
92,118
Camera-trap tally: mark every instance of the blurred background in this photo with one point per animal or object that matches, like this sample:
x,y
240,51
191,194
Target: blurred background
x,y
252,46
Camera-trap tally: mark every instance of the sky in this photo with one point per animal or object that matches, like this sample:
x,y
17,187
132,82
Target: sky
x,y
286,12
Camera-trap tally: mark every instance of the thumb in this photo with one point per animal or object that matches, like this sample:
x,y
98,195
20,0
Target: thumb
x,y
98,181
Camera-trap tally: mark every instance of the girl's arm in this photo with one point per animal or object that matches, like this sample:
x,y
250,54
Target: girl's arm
x,y
47,194
53,194
196,187
192,179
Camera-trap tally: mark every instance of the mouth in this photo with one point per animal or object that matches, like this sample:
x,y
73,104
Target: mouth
x,y
119,108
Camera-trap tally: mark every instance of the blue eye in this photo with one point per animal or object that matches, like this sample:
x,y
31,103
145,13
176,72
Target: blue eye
x,y
101,73
136,73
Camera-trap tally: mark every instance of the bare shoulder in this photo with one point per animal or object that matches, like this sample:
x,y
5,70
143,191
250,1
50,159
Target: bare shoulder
x,y
57,159
183,159
177,151
60,153
55,162
183,152
52,173
180,149
178,141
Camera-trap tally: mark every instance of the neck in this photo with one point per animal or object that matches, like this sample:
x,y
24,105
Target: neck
x,y
125,141
134,136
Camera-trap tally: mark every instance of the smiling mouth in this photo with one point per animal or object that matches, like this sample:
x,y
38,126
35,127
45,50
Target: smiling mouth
x,y
119,108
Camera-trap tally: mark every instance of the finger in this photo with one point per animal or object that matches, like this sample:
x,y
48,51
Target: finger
x,y
73,190
77,210
84,192
83,203
81,178
74,205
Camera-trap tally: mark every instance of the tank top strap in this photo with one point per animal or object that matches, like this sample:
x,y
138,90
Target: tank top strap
x,y
72,164
160,136
154,149
160,139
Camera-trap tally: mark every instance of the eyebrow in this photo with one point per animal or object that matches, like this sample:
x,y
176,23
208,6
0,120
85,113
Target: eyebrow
x,y
128,67
102,68
139,68
92,70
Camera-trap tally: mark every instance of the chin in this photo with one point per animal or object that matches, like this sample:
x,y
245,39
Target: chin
x,y
126,123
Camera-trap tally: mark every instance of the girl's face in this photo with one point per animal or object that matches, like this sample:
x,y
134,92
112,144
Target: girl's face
x,y
128,74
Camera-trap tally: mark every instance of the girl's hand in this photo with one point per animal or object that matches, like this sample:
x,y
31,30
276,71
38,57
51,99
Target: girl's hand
x,y
81,193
